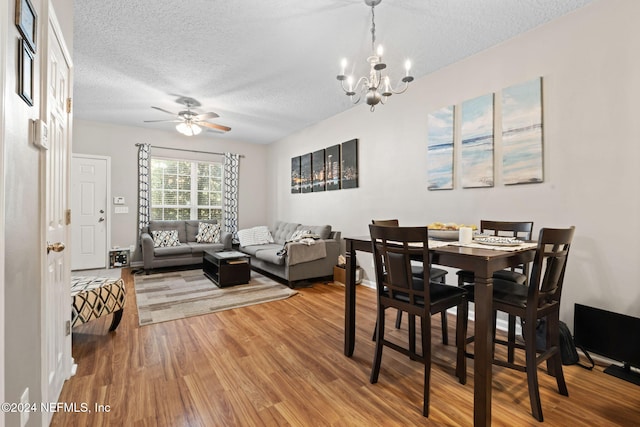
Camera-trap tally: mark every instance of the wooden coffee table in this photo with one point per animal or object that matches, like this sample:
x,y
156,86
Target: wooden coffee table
x,y
227,268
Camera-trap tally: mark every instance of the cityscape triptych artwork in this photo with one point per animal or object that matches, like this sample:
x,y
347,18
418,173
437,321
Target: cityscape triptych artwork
x,y
331,168
520,129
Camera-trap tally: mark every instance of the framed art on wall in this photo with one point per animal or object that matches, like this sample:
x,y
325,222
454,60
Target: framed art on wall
x,y
349,172
295,175
440,149
26,21
522,133
25,77
305,173
477,142
317,166
332,167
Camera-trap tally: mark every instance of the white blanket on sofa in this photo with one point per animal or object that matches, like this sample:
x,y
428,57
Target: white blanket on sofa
x,y
299,252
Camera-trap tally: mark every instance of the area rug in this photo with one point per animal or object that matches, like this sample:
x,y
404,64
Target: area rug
x,y
180,294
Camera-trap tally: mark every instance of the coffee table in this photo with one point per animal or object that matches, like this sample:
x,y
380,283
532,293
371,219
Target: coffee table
x,y
227,268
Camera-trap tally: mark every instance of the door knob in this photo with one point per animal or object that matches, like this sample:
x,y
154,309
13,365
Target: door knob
x,y
55,247
101,219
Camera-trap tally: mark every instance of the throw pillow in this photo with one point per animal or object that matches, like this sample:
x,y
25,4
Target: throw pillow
x,y
165,238
208,233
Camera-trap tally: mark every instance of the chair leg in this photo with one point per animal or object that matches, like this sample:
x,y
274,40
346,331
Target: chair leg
x,y
511,338
377,357
554,364
117,317
445,326
425,323
532,370
412,336
461,341
399,319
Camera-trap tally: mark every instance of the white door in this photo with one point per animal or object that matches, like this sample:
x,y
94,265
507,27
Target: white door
x,y
56,304
89,207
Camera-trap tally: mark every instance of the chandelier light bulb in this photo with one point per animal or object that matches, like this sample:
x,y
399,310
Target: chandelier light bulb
x,y
380,50
343,64
407,66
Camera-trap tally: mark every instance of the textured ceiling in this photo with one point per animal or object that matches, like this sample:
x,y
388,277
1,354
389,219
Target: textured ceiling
x,y
268,67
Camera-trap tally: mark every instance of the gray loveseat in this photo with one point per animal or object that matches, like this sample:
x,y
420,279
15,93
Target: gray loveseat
x,y
189,252
297,263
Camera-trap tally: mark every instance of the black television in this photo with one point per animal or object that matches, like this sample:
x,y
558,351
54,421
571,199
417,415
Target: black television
x,y
612,335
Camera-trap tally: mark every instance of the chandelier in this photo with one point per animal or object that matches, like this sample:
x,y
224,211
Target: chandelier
x,y
377,87
188,128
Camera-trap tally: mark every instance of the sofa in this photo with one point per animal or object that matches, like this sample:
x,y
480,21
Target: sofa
x,y
293,260
164,251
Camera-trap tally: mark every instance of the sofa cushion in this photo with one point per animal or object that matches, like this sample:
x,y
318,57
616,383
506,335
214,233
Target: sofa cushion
x,y
172,251
254,249
283,231
170,225
208,233
324,231
271,255
192,227
197,249
165,238
255,236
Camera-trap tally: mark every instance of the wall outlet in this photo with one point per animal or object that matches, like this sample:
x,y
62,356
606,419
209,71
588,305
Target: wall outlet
x,y
24,401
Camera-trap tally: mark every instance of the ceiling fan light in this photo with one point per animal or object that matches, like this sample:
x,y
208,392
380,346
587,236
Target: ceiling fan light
x,y
188,129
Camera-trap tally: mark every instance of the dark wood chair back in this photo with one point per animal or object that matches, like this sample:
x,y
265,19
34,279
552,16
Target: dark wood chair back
x,y
393,250
519,229
386,222
548,268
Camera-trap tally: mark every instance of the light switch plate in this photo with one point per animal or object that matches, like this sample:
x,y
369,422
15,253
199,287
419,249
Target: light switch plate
x,y
39,134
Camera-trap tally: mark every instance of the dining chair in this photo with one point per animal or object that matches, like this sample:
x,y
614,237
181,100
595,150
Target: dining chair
x,y
518,274
540,299
437,274
393,249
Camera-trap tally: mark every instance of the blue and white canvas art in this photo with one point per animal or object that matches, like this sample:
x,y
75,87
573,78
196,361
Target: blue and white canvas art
x,y
440,149
477,142
522,133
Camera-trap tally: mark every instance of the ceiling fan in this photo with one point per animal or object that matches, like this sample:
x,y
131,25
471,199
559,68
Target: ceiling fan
x,y
190,122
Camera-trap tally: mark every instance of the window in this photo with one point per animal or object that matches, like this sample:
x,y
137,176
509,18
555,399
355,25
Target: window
x,y
185,189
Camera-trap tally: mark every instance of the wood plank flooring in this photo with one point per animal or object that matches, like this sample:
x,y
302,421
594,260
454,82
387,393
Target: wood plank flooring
x,y
282,364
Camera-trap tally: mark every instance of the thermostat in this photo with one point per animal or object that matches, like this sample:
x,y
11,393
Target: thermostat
x,y
119,200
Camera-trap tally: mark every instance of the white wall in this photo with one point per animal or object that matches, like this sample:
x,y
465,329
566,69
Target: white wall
x,y
118,142
590,66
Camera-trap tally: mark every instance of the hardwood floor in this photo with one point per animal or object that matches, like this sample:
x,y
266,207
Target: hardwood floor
x,y
282,363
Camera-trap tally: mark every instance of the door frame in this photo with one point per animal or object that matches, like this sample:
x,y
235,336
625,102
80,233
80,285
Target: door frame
x,y
4,18
108,206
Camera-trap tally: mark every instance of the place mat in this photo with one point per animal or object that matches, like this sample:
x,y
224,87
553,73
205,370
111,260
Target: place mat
x,y
432,244
496,248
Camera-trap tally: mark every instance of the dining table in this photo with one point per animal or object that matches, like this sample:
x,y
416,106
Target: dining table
x,y
483,261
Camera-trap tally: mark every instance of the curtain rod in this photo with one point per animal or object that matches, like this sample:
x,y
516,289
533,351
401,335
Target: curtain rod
x,y
182,149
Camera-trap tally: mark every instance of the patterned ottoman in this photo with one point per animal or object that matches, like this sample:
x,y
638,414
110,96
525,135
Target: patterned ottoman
x,y
94,297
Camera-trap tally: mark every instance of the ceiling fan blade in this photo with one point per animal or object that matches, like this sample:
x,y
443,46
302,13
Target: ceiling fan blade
x,y
205,116
165,111
166,121
214,126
